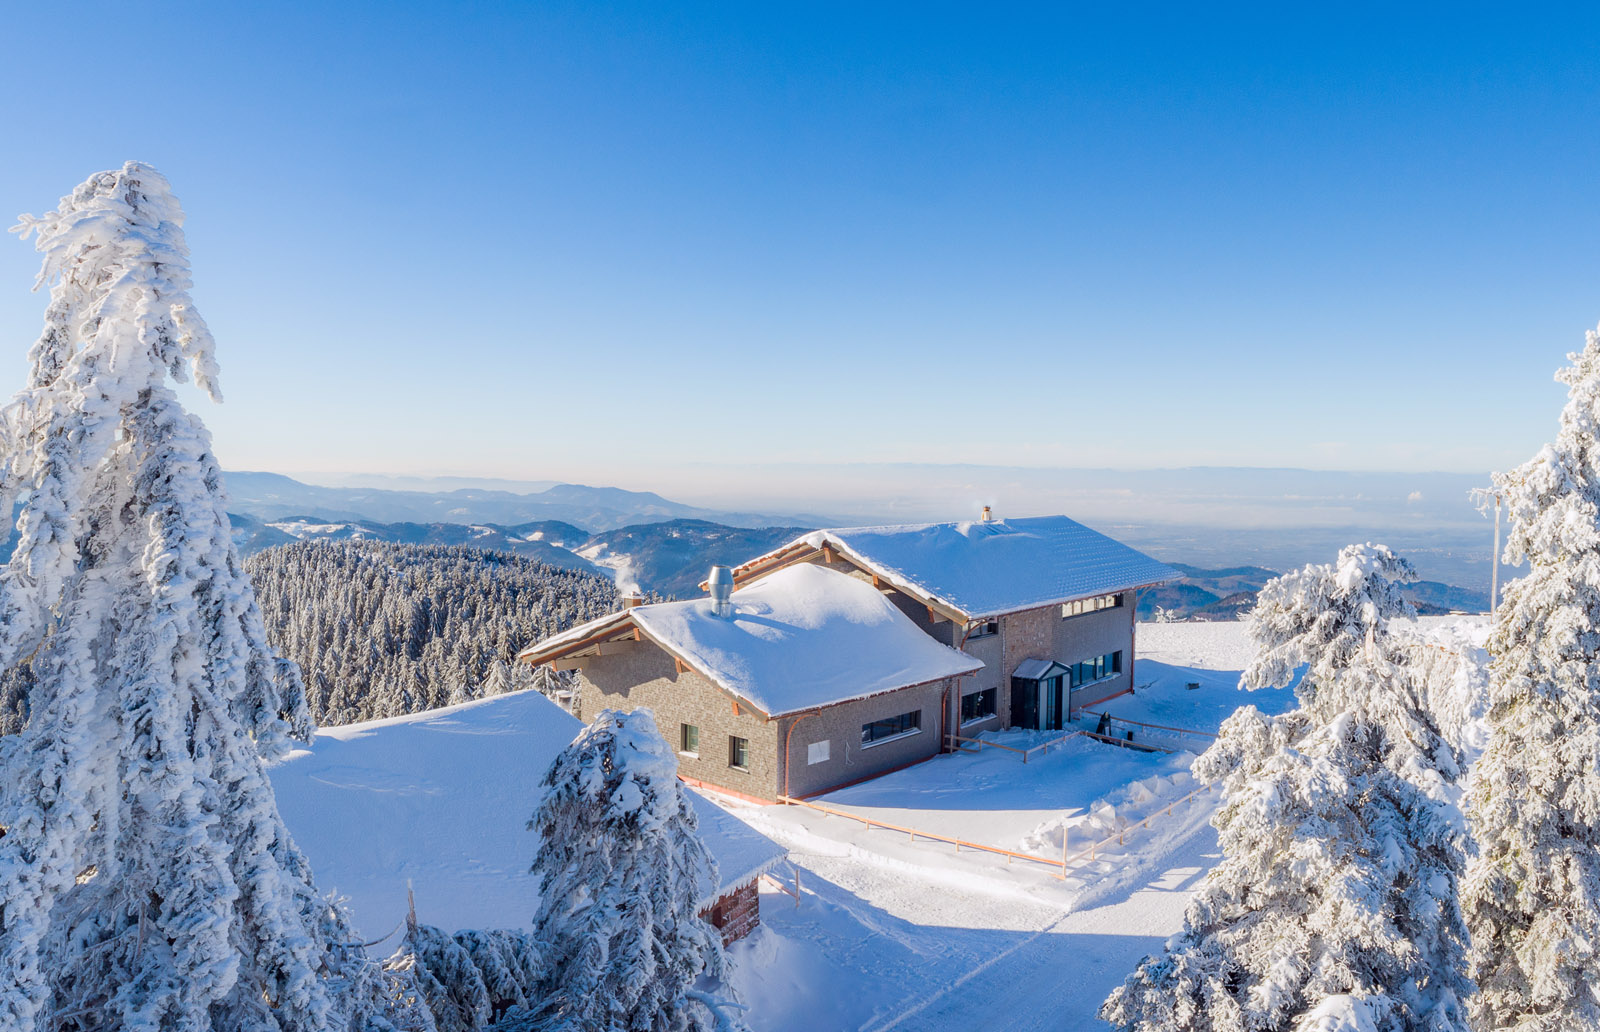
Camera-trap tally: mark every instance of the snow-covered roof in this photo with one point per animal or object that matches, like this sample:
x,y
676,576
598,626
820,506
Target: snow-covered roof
x,y
987,569
803,638
441,800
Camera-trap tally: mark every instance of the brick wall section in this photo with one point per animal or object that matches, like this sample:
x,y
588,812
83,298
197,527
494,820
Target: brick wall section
x,y
642,674
1030,634
736,914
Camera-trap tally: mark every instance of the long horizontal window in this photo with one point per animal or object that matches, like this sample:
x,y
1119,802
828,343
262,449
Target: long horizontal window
x,y
979,705
1090,605
1097,669
891,727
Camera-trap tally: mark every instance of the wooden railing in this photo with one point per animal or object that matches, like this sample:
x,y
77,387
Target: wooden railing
x,y
915,834
1122,833
1062,865
777,883
1043,747
1152,727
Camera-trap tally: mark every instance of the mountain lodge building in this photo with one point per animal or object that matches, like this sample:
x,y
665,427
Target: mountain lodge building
x,y
849,653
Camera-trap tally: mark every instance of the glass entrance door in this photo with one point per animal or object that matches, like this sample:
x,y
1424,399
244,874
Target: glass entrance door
x,y
1050,693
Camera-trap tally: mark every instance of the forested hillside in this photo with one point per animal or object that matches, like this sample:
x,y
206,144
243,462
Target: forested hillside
x,y
380,628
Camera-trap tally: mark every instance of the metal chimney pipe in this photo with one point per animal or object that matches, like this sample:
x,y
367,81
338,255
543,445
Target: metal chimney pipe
x,y
720,586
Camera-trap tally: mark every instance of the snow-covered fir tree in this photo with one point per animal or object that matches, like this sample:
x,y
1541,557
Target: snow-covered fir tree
x,y
621,872
1335,904
382,629
469,981
146,880
1532,894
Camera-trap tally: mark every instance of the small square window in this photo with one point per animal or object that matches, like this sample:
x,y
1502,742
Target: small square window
x,y
817,752
738,753
689,741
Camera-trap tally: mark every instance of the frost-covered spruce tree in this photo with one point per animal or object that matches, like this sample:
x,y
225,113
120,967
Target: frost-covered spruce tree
x,y
469,981
1334,906
146,879
1532,894
621,869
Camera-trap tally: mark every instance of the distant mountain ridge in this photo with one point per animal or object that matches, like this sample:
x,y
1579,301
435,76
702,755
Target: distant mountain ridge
x,y
272,496
647,542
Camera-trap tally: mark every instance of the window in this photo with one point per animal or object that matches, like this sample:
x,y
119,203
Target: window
x,y
689,740
1090,605
817,752
1097,669
738,753
979,705
891,727
983,630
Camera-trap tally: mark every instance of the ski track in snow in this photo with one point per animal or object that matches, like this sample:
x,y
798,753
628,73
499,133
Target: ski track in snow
x,y
879,944
1057,978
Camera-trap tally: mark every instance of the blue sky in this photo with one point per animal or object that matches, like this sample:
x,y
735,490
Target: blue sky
x,y
634,243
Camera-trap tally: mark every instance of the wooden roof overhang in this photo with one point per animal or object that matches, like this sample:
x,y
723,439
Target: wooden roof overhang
x,y
617,629
829,551
623,628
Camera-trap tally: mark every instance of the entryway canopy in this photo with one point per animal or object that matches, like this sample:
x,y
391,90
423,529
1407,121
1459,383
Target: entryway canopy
x,y
1040,669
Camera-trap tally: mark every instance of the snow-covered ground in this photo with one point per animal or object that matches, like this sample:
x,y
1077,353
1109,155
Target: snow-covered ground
x,y
895,934
439,802
890,933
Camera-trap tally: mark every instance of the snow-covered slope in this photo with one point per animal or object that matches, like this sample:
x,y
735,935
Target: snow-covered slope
x,y
441,801
902,934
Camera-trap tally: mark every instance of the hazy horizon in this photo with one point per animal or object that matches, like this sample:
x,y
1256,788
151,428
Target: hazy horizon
x,y
1206,516
585,243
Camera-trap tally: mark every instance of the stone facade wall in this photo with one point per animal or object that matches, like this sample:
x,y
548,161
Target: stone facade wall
x,y
840,726
737,914
641,674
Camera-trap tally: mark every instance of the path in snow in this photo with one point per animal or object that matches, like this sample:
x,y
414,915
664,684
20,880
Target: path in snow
x,y
883,942
1057,979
